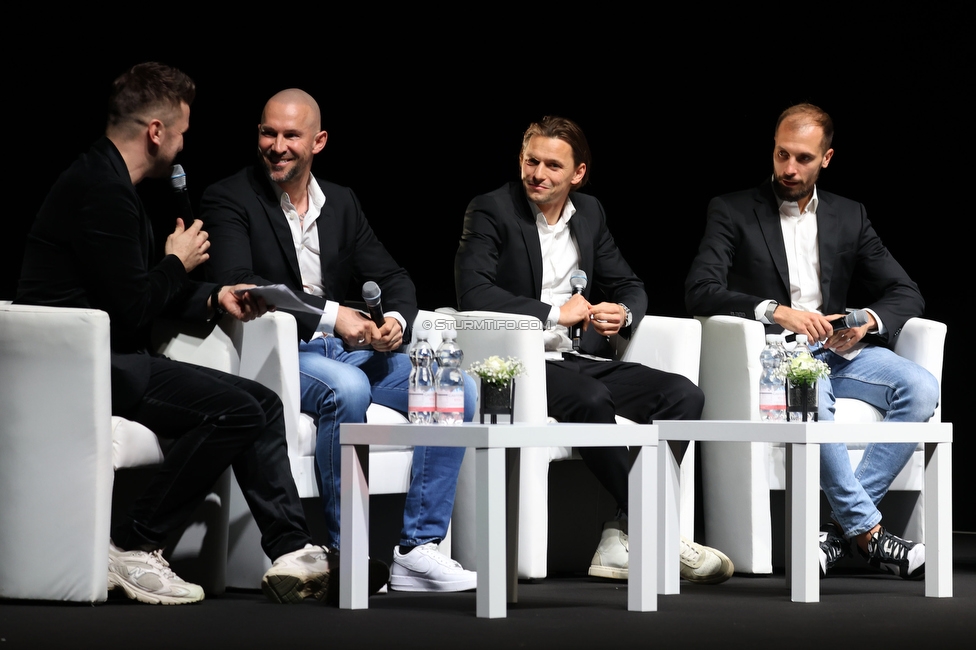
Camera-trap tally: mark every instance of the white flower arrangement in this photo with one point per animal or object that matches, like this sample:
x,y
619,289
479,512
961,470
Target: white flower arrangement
x,y
498,371
803,369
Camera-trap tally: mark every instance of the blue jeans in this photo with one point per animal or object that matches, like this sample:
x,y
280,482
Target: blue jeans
x,y
904,392
338,386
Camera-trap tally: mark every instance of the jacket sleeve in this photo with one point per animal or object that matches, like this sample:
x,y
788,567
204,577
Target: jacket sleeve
x,y
486,275
727,253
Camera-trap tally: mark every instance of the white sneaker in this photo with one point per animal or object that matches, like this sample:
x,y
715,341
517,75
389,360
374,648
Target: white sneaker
x,y
426,569
612,555
704,564
297,575
146,577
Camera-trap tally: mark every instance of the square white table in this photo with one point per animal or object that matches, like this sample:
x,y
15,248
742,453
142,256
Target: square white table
x,y
492,442
803,440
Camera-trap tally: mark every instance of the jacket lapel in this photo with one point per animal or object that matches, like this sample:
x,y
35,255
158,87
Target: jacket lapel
x,y
279,224
767,216
827,227
530,236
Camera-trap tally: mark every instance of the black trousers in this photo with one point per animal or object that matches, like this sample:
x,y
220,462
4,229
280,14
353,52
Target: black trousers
x,y
585,390
209,420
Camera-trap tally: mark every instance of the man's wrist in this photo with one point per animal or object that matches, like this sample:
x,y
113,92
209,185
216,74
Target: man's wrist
x,y
770,310
215,305
628,317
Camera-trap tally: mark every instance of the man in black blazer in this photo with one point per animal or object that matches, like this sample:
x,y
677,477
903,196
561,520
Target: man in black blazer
x,y
787,254
520,247
276,223
91,246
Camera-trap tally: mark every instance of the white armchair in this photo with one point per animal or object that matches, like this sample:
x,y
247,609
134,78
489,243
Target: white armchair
x,y
60,445
671,344
270,357
737,477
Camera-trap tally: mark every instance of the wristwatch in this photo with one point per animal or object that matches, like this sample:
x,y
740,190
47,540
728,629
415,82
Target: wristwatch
x,y
770,308
629,318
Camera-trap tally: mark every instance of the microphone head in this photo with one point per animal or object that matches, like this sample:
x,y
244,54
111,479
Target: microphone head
x,y
578,280
857,318
371,293
177,179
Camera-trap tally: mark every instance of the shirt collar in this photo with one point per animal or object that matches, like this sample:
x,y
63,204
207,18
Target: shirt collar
x,y
316,199
568,211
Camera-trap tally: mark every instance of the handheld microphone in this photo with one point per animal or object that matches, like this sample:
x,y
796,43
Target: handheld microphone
x,y
371,296
177,181
578,282
856,318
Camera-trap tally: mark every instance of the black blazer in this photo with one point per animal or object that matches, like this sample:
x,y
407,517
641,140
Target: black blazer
x,y
498,266
91,246
742,261
251,242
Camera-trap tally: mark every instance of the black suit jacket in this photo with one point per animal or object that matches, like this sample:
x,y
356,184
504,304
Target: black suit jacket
x,y
498,266
91,246
251,242
742,261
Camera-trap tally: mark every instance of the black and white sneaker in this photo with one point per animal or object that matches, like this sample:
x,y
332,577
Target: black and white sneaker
x,y
895,555
833,547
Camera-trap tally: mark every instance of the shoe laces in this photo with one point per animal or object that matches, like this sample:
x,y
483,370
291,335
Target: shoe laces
x,y
430,550
689,552
156,560
832,546
887,547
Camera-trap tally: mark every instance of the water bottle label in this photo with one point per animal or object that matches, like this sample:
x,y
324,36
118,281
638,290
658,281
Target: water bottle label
x,y
421,401
452,402
774,399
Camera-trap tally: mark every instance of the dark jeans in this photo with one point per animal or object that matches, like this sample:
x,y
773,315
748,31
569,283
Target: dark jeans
x,y
210,420
585,390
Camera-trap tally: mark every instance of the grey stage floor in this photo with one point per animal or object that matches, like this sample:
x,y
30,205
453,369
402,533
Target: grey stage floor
x,y
566,611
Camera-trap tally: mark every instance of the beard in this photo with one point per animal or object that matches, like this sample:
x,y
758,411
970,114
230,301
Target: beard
x,y
293,172
793,194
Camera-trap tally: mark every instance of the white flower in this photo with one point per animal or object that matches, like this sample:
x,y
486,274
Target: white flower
x,y
496,370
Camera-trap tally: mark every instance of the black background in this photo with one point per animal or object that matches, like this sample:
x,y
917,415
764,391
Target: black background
x,y
425,111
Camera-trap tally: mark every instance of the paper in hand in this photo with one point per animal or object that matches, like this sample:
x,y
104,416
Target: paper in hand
x,y
281,297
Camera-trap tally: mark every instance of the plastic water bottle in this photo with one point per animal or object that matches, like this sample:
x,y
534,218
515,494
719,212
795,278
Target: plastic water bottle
x,y
422,400
772,385
802,346
449,381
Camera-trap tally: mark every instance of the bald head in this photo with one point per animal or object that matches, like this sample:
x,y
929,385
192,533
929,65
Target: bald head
x,y
289,135
298,102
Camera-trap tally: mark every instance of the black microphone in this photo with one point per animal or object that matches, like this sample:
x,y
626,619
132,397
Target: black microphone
x,y
371,295
177,181
856,318
578,281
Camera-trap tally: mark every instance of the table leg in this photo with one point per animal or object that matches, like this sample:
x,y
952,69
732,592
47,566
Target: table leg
x,y
669,528
938,519
803,499
642,513
490,527
354,528
513,470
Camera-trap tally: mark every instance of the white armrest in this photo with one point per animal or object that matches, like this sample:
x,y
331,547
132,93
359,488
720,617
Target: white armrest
x,y
730,369
665,343
485,333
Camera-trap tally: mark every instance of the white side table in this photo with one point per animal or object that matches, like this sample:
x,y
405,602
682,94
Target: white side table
x,y
491,441
803,440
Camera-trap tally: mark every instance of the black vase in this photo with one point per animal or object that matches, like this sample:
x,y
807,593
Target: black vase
x,y
497,400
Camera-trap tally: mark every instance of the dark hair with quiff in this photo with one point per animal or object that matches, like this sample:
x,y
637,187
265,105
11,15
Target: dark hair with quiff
x,y
809,114
568,131
148,86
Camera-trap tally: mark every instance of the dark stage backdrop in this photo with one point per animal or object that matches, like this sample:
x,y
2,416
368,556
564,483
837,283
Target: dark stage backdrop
x,y
421,120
